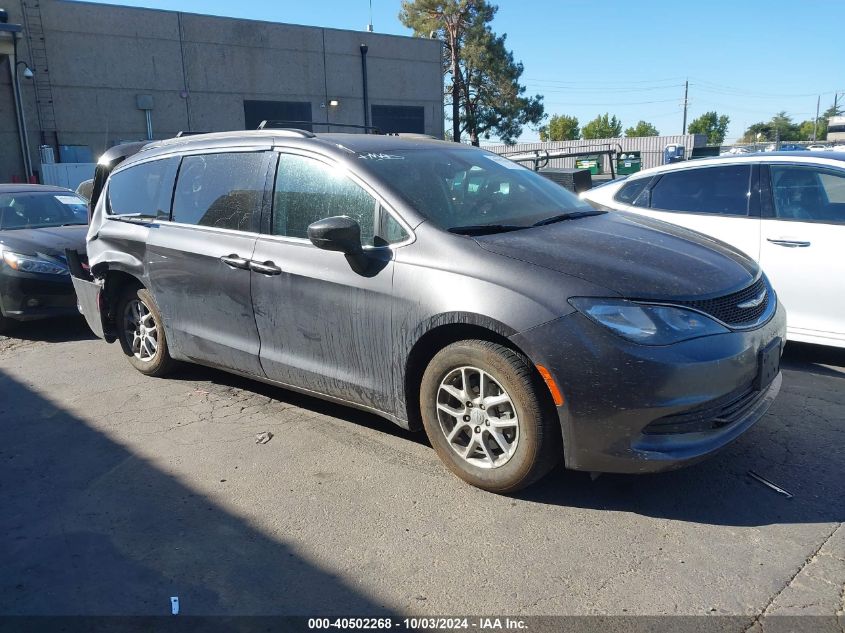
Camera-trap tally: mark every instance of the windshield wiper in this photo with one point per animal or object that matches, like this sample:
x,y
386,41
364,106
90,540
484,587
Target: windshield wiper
x,y
572,215
485,229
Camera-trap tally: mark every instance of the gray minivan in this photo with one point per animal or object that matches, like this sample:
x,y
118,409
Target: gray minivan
x,y
441,286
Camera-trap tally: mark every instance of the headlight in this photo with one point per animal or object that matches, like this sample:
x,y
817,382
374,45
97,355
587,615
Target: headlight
x,y
33,264
647,324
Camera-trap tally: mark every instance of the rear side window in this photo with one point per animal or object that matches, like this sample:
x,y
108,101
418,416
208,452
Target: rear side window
x,y
308,190
220,190
717,190
143,189
630,190
808,193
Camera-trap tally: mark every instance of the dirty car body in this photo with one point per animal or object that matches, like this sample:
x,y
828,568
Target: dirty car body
x,y
630,328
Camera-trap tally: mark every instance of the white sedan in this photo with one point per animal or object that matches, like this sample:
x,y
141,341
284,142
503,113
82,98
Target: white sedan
x,y
784,210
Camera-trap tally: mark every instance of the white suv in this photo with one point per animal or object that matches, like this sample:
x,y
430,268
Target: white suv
x,y
785,210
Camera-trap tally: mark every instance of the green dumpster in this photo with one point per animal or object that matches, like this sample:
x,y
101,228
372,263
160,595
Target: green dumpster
x,y
593,163
628,163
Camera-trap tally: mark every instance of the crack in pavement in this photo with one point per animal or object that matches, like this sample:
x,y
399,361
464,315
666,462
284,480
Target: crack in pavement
x,y
811,558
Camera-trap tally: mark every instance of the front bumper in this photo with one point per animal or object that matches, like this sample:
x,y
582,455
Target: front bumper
x,y
28,296
632,408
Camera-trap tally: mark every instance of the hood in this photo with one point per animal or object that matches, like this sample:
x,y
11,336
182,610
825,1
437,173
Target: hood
x,y
634,256
48,241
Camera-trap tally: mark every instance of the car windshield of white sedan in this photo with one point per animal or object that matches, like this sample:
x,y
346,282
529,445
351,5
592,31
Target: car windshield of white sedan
x,y
38,210
466,190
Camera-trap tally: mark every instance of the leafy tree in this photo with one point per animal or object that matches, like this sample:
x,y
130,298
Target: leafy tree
x,y
780,127
642,128
483,87
711,124
494,101
603,126
785,128
806,129
758,132
561,127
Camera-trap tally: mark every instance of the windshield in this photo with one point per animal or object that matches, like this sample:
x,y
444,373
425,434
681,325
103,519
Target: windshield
x,y
31,210
470,187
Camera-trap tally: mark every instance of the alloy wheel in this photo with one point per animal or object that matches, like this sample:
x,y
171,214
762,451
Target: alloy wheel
x,y
477,417
141,330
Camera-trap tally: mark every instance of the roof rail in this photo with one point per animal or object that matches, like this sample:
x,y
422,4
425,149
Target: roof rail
x,y
182,133
269,124
413,135
290,125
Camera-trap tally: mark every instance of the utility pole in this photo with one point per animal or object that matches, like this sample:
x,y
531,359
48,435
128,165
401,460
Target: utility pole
x,y
816,120
686,102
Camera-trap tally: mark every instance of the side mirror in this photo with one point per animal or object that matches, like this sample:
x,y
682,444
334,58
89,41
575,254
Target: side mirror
x,y
342,234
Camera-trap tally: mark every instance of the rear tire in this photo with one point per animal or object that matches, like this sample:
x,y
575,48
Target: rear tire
x,y
488,416
141,333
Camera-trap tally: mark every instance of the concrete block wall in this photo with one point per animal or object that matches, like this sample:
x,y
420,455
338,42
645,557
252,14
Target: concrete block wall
x,y
200,69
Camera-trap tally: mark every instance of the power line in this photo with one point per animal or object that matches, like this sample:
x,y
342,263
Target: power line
x,y
659,84
610,104
603,82
560,89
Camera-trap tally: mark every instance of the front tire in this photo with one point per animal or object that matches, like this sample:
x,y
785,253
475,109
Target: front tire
x,y
487,416
141,333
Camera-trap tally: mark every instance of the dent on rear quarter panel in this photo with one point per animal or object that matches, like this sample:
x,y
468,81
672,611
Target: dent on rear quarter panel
x,y
121,246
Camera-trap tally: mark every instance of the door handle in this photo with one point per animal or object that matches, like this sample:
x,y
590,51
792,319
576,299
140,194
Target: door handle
x,y
265,268
789,243
235,261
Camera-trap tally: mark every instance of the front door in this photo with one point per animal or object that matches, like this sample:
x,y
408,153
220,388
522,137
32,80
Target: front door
x,y
801,249
323,326
199,261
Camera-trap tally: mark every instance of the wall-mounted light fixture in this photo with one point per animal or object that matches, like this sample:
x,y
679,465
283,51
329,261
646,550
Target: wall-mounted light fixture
x,y
334,103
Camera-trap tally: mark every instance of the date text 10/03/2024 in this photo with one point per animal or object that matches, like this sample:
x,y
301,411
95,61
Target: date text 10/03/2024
x,y
422,623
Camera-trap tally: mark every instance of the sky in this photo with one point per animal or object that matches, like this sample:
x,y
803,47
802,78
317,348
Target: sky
x,y
745,58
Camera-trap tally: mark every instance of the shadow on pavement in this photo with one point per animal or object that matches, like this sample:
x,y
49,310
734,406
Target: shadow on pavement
x,y
91,528
51,330
815,359
717,491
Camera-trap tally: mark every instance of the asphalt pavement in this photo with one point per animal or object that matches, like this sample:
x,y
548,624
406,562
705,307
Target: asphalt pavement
x,y
119,491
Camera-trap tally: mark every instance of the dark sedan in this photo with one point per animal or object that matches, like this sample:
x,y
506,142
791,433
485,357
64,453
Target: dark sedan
x,y
37,224
441,286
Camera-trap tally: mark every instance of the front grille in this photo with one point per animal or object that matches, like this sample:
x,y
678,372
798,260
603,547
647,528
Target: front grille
x,y
726,309
713,415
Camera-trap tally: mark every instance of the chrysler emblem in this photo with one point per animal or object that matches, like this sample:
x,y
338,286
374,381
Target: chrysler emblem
x,y
753,303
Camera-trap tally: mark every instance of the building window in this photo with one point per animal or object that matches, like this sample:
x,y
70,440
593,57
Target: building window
x,y
394,119
287,113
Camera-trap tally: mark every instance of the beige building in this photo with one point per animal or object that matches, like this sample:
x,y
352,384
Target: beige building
x,y
836,128
105,74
